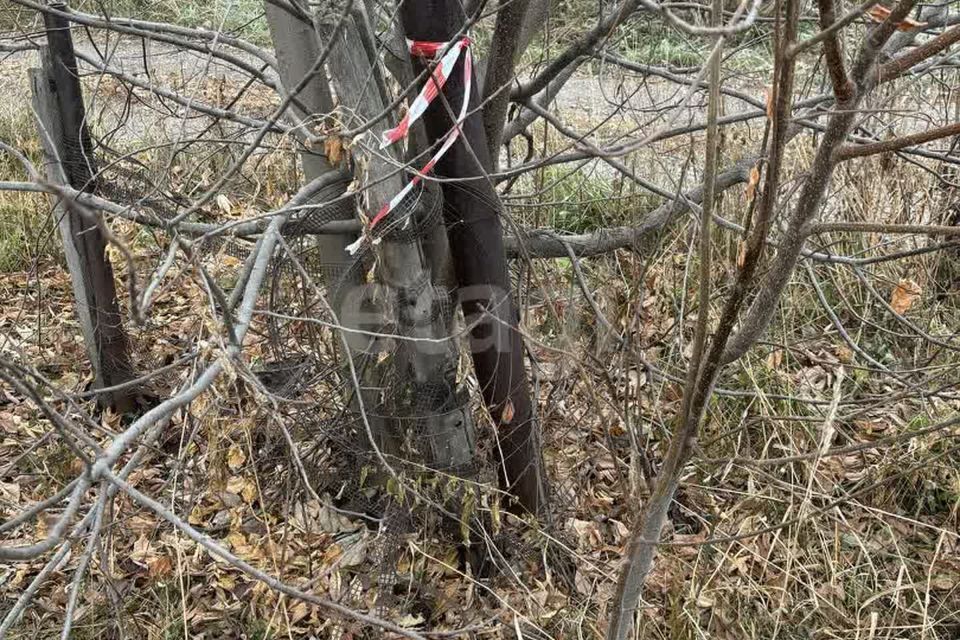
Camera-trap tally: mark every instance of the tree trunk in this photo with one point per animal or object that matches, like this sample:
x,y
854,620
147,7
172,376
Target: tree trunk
x,y
59,103
504,49
472,215
297,48
424,363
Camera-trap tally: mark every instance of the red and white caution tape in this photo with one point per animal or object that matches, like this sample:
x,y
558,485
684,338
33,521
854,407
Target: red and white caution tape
x,y
426,96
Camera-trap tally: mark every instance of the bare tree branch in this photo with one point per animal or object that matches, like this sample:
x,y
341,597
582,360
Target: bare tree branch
x,y
846,152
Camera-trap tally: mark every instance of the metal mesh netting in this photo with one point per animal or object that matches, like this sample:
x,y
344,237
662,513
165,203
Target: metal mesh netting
x,y
329,203
416,214
418,426
414,424
305,345
421,428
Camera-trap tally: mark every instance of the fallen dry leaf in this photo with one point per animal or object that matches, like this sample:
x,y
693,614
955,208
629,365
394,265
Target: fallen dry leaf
x,y
238,542
227,581
159,566
10,492
143,551
904,295
224,203
196,516
705,601
409,620
298,612
243,487
844,354
236,457
775,359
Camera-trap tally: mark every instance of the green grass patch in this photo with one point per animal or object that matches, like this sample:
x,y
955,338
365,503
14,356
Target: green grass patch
x,y
654,44
24,231
243,18
25,226
579,202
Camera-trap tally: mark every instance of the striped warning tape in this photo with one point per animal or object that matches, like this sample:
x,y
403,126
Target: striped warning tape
x,y
427,95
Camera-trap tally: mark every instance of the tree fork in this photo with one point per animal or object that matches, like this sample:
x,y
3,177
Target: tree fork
x,y
475,231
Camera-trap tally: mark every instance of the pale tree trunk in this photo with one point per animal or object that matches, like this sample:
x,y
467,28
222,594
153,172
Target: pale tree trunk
x,y
297,48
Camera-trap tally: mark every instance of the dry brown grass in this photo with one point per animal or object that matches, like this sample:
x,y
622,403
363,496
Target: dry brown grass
x,y
881,563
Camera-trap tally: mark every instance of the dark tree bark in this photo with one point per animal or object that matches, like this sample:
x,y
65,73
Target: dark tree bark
x,y
472,216
499,71
107,341
405,268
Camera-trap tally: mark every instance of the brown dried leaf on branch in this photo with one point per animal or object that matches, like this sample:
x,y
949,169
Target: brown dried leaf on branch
x,y
879,13
333,149
904,295
507,415
753,182
768,101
